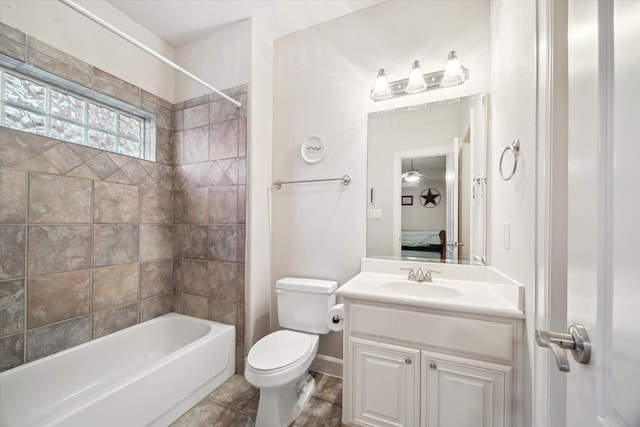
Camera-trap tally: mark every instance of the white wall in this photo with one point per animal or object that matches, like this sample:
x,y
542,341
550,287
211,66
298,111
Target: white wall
x,y
258,274
65,29
416,216
222,59
322,78
513,115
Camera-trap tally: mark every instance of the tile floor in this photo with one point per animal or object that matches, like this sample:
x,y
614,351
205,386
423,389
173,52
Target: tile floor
x,y
235,403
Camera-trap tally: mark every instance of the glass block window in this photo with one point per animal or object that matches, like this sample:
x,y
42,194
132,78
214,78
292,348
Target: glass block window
x,y
36,107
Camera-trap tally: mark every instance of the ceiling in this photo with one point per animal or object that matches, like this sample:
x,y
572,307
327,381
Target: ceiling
x,y
181,21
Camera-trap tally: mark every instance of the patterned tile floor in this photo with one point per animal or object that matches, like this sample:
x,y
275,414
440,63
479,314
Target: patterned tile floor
x,y
235,403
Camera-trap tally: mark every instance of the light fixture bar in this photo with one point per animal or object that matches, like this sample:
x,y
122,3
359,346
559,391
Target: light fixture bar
x,y
399,87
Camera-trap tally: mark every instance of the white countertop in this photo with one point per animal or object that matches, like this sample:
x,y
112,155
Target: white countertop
x,y
477,297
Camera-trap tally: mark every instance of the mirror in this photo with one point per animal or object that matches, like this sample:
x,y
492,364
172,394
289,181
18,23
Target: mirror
x,y
427,181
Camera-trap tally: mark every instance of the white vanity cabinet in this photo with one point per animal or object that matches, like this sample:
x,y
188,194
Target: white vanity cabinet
x,y
410,366
464,392
386,381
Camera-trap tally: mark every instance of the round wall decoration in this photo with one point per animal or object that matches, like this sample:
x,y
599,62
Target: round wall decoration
x,y
313,149
430,198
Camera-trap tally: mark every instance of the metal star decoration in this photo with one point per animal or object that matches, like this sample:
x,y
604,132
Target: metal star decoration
x,y
430,197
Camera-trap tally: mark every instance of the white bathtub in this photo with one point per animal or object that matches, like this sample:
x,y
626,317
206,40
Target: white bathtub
x,y
148,374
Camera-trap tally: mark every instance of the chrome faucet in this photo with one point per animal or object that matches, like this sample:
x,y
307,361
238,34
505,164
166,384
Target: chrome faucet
x,y
428,277
411,275
419,275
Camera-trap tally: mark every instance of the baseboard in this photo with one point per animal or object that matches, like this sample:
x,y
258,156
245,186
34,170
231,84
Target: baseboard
x,y
327,365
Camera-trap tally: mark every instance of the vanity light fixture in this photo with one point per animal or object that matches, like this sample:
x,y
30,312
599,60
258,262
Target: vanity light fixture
x,y
416,83
381,89
453,74
453,71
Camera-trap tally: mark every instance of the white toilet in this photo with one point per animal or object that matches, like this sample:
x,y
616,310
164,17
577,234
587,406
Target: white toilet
x,y
278,363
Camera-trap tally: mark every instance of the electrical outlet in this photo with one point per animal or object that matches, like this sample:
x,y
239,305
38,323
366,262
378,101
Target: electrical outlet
x,y
375,213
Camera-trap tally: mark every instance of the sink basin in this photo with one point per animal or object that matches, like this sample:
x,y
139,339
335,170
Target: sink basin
x,y
428,290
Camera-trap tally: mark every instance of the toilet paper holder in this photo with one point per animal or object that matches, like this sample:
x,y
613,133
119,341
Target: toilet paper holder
x,y
335,318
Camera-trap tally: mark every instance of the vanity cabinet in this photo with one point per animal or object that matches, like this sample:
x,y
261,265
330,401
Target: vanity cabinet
x,y
406,366
463,392
386,381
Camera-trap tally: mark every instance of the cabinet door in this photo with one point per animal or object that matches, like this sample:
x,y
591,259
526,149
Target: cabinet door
x,y
459,392
385,384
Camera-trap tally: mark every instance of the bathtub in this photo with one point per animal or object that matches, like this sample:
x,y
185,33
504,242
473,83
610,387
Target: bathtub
x,y
145,375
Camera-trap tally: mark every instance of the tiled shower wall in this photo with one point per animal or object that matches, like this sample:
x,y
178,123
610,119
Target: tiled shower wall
x,y
92,242
209,210
85,244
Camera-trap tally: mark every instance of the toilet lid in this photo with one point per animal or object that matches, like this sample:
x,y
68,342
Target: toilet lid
x,y
279,349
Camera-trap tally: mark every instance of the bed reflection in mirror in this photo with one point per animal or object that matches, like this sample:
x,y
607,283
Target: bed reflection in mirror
x,y
427,182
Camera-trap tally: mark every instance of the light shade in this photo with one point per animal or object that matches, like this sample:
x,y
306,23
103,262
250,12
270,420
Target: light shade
x,y
453,73
416,82
412,175
381,88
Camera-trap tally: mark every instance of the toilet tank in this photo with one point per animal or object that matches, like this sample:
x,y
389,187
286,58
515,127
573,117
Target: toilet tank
x,y
303,303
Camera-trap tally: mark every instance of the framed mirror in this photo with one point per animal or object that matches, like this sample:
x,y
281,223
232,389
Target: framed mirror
x,y
433,155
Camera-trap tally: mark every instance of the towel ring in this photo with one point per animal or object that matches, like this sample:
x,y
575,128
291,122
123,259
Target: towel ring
x,y
515,149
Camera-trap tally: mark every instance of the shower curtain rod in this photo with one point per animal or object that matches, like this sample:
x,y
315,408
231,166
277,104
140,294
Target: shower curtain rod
x,y
142,46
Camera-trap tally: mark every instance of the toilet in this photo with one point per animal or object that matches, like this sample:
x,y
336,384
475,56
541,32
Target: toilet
x,y
278,364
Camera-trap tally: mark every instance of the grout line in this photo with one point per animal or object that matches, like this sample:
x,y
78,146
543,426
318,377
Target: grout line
x,y
138,196
25,281
211,399
327,400
91,291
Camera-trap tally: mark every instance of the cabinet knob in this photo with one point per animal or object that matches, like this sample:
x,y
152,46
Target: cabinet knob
x,y
433,366
407,361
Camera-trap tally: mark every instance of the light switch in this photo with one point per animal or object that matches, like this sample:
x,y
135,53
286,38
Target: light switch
x,y
375,213
507,235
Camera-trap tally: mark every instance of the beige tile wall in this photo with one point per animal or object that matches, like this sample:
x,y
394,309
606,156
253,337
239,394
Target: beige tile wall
x,y
81,257
209,211
92,242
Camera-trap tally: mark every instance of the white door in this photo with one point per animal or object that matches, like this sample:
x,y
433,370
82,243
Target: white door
x,y
603,277
386,384
478,213
452,185
458,392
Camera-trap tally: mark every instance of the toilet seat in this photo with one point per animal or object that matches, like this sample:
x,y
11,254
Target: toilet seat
x,y
279,350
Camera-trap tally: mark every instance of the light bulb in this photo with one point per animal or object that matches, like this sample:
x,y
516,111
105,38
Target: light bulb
x,y
412,177
381,88
416,82
453,73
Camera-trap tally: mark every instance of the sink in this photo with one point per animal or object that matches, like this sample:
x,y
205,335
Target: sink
x,y
421,289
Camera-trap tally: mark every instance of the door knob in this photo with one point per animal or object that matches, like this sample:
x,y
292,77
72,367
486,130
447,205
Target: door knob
x,y
577,340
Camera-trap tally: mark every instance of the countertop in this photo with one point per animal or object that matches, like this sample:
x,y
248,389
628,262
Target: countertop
x,y
475,297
